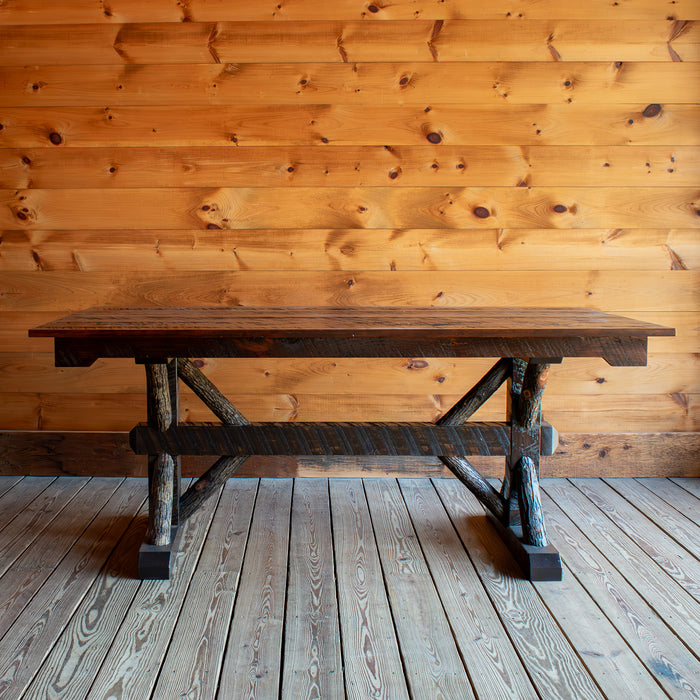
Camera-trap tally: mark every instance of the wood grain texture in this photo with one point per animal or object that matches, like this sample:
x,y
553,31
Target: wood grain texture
x,y
685,532
608,83
349,166
127,667
607,290
620,412
667,554
347,41
85,11
25,526
339,125
74,660
671,602
369,207
606,454
432,663
676,496
627,645
346,249
227,153
493,665
664,374
370,650
50,609
313,666
252,663
625,615
208,607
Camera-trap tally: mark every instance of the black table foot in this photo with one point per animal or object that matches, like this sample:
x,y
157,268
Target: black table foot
x,y
155,561
537,563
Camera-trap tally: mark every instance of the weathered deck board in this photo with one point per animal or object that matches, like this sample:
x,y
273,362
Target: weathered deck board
x,y
690,485
370,649
140,644
492,662
553,665
431,660
253,662
616,604
670,556
313,664
685,532
676,496
74,661
18,535
7,482
388,586
193,662
673,604
34,632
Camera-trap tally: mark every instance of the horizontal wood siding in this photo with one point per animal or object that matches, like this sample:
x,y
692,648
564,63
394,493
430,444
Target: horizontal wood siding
x,y
343,153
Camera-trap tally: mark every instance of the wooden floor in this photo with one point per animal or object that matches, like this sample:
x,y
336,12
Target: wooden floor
x,y
339,588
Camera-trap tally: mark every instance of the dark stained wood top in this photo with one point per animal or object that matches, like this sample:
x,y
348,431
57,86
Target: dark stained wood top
x,y
379,322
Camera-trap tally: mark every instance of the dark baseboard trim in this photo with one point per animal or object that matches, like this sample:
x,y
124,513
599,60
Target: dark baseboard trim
x,y
36,452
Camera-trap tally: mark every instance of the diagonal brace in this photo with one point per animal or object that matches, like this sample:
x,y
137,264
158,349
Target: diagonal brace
x,y
460,413
225,467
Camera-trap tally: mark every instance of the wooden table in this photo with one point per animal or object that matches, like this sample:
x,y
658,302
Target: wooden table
x,y
527,340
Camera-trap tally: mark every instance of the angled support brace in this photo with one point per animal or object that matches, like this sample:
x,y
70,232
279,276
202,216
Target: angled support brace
x,y
208,484
460,413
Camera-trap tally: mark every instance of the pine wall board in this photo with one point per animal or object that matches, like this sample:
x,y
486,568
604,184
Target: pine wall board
x,y
423,152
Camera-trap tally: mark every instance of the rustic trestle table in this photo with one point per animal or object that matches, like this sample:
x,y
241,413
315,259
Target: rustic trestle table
x,y
527,340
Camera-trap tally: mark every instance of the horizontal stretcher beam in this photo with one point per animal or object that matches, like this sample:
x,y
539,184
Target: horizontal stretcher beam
x,y
333,439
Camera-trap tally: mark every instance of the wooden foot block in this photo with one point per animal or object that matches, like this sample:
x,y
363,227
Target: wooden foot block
x,y
537,563
155,561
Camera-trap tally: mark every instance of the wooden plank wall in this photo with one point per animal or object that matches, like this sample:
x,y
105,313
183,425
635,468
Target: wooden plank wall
x,y
419,152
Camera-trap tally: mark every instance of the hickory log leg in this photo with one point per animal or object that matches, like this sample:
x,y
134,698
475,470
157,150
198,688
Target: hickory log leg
x,y
523,529
163,476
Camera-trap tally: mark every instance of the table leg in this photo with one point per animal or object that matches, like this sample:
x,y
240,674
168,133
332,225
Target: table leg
x,y
163,477
523,528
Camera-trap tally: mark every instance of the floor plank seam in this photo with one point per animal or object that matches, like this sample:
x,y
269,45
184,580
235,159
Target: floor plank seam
x,y
234,603
336,578
382,568
437,588
203,537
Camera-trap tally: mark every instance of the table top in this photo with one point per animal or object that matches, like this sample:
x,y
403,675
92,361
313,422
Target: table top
x,y
367,322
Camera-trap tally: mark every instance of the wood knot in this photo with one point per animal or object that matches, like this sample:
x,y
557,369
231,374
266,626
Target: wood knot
x,y
652,110
481,212
559,208
434,137
55,138
373,8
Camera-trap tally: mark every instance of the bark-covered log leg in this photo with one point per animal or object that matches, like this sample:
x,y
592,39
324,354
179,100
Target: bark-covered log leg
x,y
160,501
509,487
530,505
527,542
174,386
154,555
